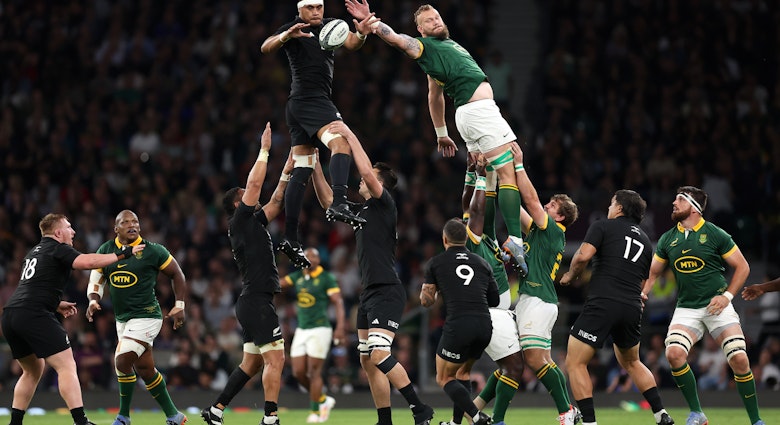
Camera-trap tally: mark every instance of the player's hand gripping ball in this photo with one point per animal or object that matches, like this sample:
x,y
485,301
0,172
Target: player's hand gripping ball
x,y
334,34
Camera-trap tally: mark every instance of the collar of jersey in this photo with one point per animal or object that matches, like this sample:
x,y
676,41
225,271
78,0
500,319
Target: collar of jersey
x,y
133,243
561,226
695,228
316,272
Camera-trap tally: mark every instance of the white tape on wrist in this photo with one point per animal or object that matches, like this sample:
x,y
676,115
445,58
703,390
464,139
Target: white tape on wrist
x,y
728,295
441,131
179,304
262,156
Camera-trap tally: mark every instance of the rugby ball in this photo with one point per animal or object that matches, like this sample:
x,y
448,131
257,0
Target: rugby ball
x,y
334,34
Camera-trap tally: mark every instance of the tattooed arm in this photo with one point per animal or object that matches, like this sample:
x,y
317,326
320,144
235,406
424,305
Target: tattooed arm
x,y
409,45
428,294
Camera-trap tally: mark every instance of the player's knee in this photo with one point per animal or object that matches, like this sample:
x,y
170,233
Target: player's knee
x,y
333,140
678,344
734,347
385,364
377,341
304,162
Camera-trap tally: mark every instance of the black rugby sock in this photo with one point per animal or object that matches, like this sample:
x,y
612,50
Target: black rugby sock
x,y
587,409
654,398
461,397
339,174
79,418
293,201
235,383
16,416
384,416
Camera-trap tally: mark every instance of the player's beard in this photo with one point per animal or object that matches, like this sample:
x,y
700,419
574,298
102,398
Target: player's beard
x,y
443,34
680,215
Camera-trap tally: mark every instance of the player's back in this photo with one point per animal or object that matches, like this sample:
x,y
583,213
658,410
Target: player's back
x,y
465,281
622,260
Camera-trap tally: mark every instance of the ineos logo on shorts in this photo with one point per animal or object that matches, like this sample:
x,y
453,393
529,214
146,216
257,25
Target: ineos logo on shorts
x,y
587,336
392,324
450,354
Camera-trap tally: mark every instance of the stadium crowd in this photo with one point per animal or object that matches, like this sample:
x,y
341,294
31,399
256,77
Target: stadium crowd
x,y
156,107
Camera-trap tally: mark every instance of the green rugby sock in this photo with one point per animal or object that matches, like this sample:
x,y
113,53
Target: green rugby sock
x,y
488,392
509,203
686,382
746,387
550,380
505,391
159,391
126,389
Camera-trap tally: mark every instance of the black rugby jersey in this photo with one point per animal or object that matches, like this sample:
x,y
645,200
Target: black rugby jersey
x,y
253,251
377,240
45,273
622,260
311,66
465,281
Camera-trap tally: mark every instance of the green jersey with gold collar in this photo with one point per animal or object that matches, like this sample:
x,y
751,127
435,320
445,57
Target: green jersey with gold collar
x,y
131,281
696,257
543,252
452,67
314,290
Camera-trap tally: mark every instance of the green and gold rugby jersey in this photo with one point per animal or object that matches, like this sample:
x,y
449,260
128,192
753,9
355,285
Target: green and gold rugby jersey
x,y
452,67
697,259
131,281
543,252
314,290
490,252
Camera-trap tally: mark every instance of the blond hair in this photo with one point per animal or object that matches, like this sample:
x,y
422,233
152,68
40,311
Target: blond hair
x,y
421,9
49,222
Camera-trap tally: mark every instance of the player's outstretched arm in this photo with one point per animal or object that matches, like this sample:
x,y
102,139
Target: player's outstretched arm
x,y
754,291
356,40
527,190
477,204
96,261
276,41
446,145
256,177
362,162
275,205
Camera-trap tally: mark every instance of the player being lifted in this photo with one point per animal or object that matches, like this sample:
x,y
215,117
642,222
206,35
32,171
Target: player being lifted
x,y
309,112
452,70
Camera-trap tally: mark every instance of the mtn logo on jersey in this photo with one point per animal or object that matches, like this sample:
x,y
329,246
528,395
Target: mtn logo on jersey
x,y
688,264
306,300
122,279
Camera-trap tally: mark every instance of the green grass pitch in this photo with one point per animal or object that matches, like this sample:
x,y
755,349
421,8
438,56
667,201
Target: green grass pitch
x,y
401,416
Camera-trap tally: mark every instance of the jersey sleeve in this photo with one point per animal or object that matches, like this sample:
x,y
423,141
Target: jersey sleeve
x,y
726,244
595,234
65,253
430,276
660,250
333,285
164,256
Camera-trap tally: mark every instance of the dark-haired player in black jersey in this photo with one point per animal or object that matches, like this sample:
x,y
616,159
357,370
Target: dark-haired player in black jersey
x,y
309,112
466,283
253,251
31,317
622,253
383,298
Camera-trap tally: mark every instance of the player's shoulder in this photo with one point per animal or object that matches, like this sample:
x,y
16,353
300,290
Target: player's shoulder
x,y
154,247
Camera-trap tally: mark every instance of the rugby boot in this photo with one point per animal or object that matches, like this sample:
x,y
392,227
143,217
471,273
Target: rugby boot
x,y
325,408
424,416
344,214
313,418
270,420
177,419
514,247
212,416
666,419
121,420
760,422
570,417
483,419
294,252
697,418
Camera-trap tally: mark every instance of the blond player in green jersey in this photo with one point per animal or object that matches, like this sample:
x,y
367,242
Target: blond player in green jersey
x,y
452,70
697,250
